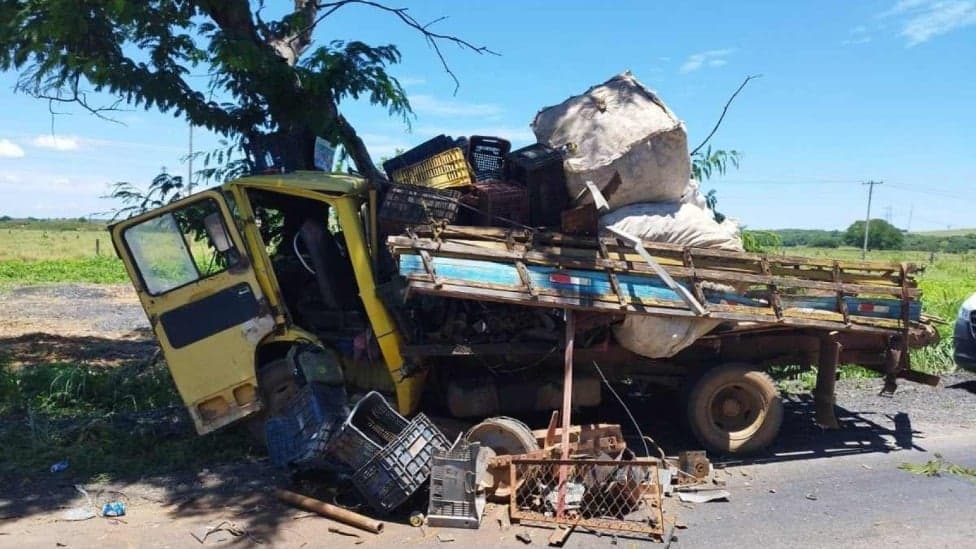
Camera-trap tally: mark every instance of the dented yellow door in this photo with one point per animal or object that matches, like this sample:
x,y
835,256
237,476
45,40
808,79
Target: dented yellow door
x,y
192,272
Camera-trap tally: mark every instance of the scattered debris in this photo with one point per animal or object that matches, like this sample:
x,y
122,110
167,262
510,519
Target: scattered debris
x,y
523,536
695,463
811,497
84,512
227,527
113,509
78,513
559,536
704,496
416,519
341,532
59,466
445,538
330,511
772,490
937,466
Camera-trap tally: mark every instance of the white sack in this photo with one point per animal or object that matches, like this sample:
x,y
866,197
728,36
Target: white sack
x,y
686,223
619,126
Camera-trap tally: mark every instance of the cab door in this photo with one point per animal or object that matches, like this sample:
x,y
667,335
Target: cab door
x,y
190,267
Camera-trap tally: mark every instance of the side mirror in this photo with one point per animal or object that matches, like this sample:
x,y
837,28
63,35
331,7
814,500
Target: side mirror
x,y
217,232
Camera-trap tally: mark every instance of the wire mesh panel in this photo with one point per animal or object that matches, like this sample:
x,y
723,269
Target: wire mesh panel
x,y
621,496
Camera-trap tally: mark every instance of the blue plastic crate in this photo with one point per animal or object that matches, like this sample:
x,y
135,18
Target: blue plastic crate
x,y
308,418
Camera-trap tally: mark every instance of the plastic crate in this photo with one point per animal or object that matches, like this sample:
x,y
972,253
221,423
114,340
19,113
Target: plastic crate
x,y
498,199
454,498
540,169
417,154
411,205
287,435
443,170
403,466
487,157
372,425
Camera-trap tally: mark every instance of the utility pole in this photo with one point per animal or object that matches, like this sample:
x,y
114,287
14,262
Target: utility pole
x,y
189,165
888,211
911,211
867,219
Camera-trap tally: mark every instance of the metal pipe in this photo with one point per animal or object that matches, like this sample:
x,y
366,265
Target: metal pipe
x,y
567,408
330,511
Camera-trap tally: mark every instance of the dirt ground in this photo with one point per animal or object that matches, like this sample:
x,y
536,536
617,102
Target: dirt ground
x,y
787,493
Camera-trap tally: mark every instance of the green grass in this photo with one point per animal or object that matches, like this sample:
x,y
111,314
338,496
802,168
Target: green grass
x,y
37,252
946,283
98,270
937,467
108,422
949,232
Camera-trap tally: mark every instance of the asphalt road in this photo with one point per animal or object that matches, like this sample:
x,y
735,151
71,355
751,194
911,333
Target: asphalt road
x,y
859,500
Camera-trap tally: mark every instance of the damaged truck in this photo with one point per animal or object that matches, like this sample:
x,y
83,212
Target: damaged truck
x,y
450,289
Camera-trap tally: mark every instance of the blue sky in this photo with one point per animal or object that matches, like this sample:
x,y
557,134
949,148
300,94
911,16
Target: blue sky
x,y
851,91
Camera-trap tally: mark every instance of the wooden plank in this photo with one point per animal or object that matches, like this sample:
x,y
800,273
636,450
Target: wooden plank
x,y
497,233
612,273
675,257
502,295
455,249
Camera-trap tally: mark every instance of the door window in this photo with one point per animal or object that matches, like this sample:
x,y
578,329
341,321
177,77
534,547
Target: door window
x,y
181,246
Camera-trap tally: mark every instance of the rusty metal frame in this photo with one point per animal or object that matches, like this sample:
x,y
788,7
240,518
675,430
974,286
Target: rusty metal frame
x,y
651,498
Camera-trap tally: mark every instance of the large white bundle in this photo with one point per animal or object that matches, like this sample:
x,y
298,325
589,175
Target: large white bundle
x,y
682,223
687,223
620,126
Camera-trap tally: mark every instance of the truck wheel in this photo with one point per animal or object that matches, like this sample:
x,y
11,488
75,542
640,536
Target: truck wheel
x,y
277,386
735,409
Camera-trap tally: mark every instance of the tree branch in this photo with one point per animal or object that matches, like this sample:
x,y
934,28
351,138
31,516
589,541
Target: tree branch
x,y
724,110
432,38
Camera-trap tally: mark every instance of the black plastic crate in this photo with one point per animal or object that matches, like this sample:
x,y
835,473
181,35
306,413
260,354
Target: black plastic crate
x,y
287,435
495,201
372,425
540,168
411,205
419,153
487,156
403,466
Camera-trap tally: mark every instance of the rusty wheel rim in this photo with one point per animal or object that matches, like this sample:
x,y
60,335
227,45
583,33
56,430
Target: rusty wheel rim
x,y
736,407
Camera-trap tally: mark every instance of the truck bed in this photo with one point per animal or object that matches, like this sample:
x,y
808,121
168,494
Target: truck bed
x,y
608,275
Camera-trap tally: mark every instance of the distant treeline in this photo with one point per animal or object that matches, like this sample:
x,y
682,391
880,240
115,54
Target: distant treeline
x,y
816,238
66,224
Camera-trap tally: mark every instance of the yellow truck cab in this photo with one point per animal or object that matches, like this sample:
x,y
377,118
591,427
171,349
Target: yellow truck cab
x,y
235,277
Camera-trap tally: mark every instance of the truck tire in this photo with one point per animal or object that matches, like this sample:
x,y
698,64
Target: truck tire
x,y
735,409
276,385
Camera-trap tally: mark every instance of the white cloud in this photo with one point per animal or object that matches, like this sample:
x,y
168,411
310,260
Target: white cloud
x,y
710,58
56,142
923,20
412,81
426,104
9,149
857,35
384,146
